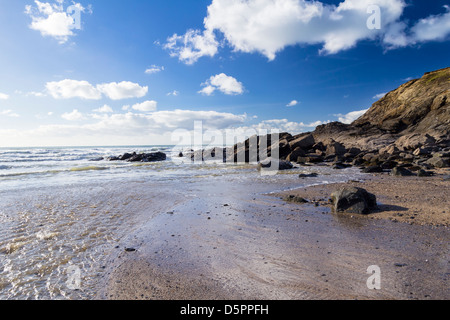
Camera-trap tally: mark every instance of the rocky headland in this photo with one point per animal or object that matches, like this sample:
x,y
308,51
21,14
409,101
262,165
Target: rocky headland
x,y
407,132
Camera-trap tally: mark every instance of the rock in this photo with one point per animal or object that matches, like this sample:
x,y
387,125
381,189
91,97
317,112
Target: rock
x,y
97,159
390,150
419,106
372,169
310,158
295,199
113,158
335,148
422,151
353,200
272,163
310,175
415,141
180,155
401,172
423,173
389,164
130,250
304,142
298,152
340,165
437,161
126,156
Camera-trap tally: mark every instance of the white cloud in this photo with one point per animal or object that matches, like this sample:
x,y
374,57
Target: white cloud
x,y
174,93
146,106
293,103
104,109
75,115
9,113
35,94
122,90
67,89
269,26
4,96
351,116
432,28
193,45
379,96
51,19
226,84
154,69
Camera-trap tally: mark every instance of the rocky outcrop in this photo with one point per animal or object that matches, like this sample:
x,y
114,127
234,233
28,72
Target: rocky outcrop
x,y
418,106
408,128
139,157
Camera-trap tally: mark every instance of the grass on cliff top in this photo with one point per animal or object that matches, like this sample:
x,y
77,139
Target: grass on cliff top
x,y
442,76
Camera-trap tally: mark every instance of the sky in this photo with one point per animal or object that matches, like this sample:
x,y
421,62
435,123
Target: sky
x,y
96,72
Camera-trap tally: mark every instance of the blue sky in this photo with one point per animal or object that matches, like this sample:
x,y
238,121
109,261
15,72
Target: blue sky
x,y
131,73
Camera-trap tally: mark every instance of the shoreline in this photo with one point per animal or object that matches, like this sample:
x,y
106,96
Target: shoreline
x,y
412,200
246,248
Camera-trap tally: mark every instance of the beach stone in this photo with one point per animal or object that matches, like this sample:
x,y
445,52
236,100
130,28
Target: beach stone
x,y
373,169
353,200
282,165
310,175
295,199
423,173
438,161
401,172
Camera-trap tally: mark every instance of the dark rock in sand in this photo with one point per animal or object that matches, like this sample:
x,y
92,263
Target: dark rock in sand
x,y
401,172
423,173
97,159
295,199
373,169
353,200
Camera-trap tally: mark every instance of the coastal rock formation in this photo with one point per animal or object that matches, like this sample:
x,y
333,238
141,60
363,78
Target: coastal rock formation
x,y
141,157
408,128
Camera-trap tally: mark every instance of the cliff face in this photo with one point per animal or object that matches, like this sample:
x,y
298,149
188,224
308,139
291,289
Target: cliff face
x,y
418,106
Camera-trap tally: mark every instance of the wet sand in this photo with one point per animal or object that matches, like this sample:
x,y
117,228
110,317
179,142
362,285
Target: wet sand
x,y
236,244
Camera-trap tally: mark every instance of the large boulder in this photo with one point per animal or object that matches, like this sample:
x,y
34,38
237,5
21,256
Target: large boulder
x,y
353,200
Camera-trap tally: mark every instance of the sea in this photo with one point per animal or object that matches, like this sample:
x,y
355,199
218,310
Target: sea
x,y
63,215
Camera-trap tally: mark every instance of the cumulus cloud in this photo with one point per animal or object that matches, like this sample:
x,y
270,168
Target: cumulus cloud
x,y
75,115
104,109
51,19
351,116
67,89
225,84
122,90
146,106
4,96
269,26
293,103
193,45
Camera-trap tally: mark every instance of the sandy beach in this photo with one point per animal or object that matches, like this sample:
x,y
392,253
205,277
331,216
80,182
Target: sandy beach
x,y
235,245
